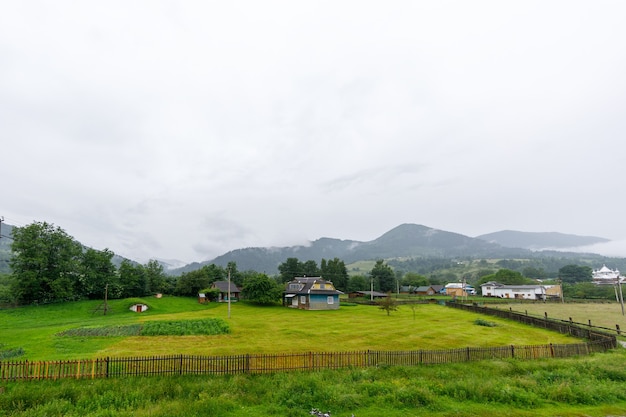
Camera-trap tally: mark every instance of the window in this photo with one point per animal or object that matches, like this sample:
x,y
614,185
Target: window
x,y
331,299
303,299
322,286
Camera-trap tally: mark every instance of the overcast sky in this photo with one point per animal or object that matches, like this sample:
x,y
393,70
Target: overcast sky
x,y
185,129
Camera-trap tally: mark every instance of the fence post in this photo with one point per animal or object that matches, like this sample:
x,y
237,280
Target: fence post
x,y
512,351
551,350
106,372
180,370
619,332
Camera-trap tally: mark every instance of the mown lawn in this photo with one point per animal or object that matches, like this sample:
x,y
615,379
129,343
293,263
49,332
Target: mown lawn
x,y
255,329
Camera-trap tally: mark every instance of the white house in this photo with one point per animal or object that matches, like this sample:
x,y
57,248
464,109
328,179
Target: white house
x,y
520,292
606,275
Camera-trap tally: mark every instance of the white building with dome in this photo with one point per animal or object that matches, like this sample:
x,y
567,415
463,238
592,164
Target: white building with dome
x,y
606,275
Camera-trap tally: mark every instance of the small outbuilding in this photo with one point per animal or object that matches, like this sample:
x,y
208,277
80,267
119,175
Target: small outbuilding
x,y
138,308
225,288
376,295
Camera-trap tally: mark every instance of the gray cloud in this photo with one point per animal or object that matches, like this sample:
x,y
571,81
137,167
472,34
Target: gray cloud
x,y
183,130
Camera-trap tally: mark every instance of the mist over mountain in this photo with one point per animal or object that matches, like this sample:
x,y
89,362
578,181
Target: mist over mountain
x,y
404,241
540,240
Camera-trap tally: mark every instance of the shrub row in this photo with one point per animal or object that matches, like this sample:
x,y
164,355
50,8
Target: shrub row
x,y
206,327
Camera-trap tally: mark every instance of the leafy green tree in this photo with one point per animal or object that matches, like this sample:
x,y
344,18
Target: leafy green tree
x,y
261,289
388,303
289,269
384,276
534,272
236,277
506,277
414,280
96,272
358,283
190,283
45,264
575,273
335,270
133,280
310,269
156,280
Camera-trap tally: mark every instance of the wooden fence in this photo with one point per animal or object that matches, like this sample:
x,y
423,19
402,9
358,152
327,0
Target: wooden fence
x,y
269,363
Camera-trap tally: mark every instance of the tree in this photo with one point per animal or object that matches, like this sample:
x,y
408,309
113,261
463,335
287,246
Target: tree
x,y
190,283
45,263
310,269
506,277
289,269
388,303
383,275
335,270
132,280
261,289
414,280
358,283
96,272
156,281
575,273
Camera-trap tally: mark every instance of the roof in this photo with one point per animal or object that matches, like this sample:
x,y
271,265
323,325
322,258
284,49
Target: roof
x,y
510,287
306,286
373,293
223,286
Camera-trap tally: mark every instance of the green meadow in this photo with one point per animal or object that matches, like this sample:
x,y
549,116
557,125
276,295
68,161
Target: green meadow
x,y
79,330
585,386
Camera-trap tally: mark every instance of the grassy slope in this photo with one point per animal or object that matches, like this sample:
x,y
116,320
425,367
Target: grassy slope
x,y
257,329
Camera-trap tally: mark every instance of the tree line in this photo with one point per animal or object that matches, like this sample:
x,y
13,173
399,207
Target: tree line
x,y
48,266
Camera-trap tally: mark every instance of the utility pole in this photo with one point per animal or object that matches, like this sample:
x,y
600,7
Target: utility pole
x,y
621,295
228,292
1,220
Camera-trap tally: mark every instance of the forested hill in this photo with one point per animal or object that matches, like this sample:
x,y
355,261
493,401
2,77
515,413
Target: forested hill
x,y
540,240
407,240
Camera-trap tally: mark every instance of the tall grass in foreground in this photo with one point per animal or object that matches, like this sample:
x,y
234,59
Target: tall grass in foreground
x,y
591,386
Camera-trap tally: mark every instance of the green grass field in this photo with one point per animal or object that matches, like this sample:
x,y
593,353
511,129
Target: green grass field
x,y
608,314
586,386
254,329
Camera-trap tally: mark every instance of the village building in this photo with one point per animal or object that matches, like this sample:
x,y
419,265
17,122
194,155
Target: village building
x,y
520,292
429,290
458,289
374,295
311,293
225,288
604,276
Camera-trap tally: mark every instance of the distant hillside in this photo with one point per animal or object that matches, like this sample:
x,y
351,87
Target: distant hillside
x,y
540,240
407,240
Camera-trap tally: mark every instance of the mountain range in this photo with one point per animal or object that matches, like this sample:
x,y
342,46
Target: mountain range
x,y
404,241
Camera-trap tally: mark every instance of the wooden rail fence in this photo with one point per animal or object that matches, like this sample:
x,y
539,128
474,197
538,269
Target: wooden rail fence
x,y
564,327
269,363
